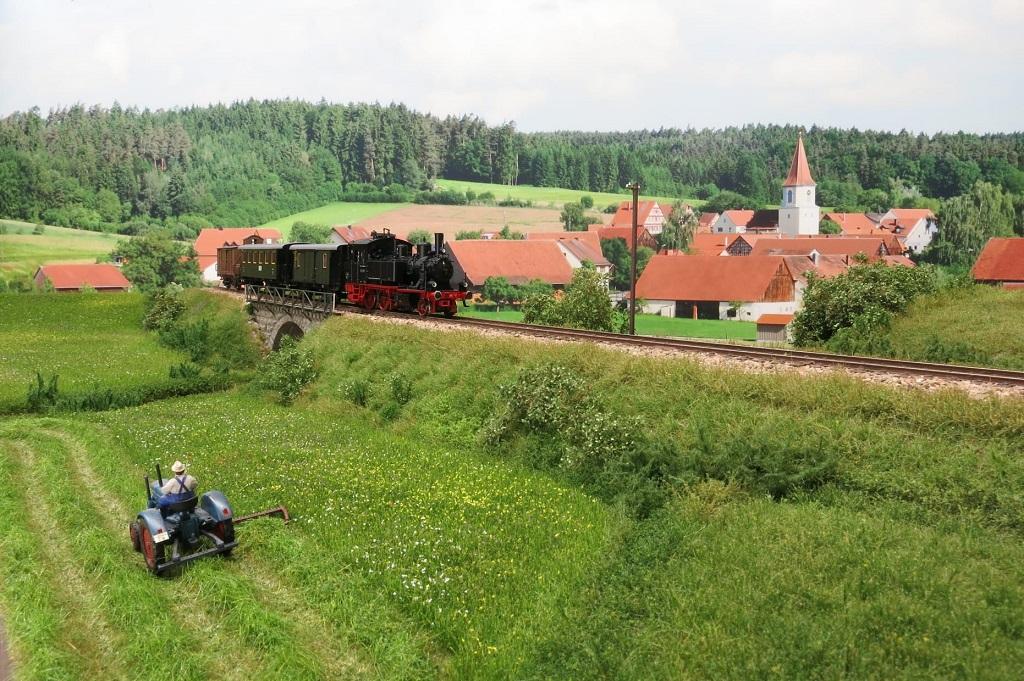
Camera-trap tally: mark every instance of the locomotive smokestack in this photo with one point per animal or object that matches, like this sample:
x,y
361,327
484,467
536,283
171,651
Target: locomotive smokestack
x,y
438,241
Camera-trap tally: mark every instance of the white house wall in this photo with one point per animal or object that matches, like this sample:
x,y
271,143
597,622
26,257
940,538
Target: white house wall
x,y
749,312
210,273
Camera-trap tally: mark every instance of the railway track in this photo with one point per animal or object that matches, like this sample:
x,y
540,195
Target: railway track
x,y
787,356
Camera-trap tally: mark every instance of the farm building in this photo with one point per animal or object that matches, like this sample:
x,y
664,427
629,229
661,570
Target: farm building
x,y
713,287
1001,262
705,222
578,247
518,261
346,235
65,278
773,327
854,224
209,240
643,237
912,228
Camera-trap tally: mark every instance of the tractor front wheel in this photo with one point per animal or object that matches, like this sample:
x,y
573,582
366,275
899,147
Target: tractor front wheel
x,y
133,532
151,551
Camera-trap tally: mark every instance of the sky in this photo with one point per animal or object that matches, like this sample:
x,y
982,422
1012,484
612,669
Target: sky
x,y
923,66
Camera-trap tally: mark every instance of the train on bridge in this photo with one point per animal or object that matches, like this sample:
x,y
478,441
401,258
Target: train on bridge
x,y
382,272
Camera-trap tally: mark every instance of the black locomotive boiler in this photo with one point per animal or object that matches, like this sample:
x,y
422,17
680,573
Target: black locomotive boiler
x,y
381,272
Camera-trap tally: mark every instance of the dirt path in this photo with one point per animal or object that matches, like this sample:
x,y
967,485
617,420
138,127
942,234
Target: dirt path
x,y
5,660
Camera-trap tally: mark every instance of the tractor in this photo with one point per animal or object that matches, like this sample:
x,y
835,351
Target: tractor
x,y
193,528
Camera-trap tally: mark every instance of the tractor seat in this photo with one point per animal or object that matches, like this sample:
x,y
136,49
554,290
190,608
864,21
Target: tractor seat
x,y
185,505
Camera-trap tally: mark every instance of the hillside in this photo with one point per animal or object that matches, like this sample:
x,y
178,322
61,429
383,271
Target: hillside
x,y
553,196
22,251
451,521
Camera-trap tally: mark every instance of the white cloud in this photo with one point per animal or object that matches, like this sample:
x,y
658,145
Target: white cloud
x,y
553,64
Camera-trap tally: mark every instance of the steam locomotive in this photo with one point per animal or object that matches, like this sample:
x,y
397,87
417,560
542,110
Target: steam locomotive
x,y
381,272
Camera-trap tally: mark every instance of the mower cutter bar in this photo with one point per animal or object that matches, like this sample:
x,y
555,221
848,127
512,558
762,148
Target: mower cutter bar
x,y
176,561
280,511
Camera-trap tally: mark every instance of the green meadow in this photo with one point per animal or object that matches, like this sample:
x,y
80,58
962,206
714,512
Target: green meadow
x,y
22,252
338,213
475,507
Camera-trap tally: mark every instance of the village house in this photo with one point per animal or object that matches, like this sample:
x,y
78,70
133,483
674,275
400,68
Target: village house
x,y
914,227
643,237
871,248
1001,263
649,214
714,287
347,234
518,261
102,277
705,223
578,248
209,240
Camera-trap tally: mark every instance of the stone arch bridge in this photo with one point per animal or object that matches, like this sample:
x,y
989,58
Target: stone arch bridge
x,y
282,312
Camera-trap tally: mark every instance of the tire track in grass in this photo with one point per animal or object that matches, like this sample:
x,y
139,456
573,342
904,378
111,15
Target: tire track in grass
x,y
99,648
5,660
271,594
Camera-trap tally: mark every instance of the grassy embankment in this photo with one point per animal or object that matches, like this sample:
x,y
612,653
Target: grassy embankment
x,y
542,196
652,325
22,252
888,546
975,325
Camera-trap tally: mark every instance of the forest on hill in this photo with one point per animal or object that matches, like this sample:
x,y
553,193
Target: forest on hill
x,y
122,169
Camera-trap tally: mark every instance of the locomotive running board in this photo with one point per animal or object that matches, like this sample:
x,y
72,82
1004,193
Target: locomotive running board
x,y
280,511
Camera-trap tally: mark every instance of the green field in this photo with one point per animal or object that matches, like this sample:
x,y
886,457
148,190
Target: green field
x,y
86,339
22,252
653,325
975,325
339,213
542,196
783,527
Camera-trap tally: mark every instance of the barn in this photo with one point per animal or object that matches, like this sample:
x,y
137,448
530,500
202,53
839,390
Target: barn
x,y
773,327
102,277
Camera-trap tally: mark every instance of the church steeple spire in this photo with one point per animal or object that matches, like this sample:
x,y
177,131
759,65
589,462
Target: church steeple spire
x,y
799,171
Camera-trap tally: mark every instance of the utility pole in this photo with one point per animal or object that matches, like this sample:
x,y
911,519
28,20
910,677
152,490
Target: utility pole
x,y
635,187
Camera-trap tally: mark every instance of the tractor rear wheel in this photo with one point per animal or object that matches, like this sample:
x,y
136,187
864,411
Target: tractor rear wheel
x,y
151,551
133,532
225,531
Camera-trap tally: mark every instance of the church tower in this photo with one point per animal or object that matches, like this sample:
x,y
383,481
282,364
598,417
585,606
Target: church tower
x,y
798,213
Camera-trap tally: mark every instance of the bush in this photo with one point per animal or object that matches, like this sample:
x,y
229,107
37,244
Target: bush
x,y
192,338
358,392
165,306
445,197
401,388
43,394
288,370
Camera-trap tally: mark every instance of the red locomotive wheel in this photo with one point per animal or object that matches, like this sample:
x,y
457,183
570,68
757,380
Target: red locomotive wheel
x,y
386,303
370,300
423,308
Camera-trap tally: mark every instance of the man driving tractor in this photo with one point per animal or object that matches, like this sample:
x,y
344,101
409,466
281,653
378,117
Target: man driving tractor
x,y
179,488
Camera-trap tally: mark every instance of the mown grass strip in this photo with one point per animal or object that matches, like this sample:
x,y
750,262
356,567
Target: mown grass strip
x,y
35,614
89,632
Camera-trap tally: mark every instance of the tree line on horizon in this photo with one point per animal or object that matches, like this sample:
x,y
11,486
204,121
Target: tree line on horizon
x,y
127,170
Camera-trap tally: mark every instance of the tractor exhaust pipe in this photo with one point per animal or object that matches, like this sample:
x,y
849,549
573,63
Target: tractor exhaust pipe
x,y
159,475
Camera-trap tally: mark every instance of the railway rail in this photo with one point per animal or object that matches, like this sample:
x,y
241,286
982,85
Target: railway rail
x,y
784,355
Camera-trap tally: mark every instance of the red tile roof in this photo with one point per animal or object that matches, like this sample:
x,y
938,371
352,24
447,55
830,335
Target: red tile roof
x,y
348,233
825,245
707,278
205,261
209,240
776,319
740,218
799,171
914,214
584,251
519,261
625,233
826,267
707,219
898,260
711,244
853,223
1002,260
624,215
591,238
74,277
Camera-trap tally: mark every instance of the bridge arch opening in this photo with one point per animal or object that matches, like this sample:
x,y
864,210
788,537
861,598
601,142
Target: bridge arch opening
x,y
287,329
